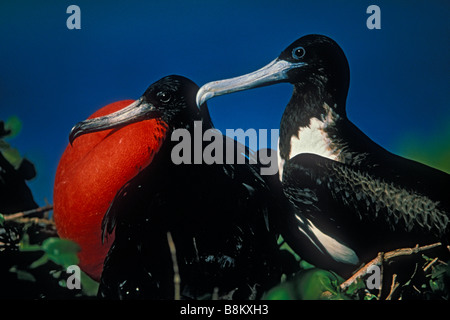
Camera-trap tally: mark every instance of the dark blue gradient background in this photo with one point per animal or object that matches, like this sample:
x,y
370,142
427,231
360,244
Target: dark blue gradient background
x,y
52,77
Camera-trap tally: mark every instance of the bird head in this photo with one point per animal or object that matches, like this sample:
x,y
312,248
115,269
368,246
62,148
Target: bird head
x,y
312,62
170,99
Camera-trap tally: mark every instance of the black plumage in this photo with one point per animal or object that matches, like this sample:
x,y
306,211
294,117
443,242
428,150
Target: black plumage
x,y
359,208
216,214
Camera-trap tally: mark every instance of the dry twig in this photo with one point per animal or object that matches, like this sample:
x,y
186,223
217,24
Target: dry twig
x,y
394,286
378,261
23,214
176,272
430,264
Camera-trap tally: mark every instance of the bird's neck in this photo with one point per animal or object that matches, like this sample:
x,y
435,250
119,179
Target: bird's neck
x,y
184,143
309,124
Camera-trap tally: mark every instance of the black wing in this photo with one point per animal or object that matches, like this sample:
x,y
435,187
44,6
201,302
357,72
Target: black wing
x,y
345,209
218,217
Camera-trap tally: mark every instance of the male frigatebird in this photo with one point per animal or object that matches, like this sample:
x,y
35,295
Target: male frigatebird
x,y
89,174
217,214
353,198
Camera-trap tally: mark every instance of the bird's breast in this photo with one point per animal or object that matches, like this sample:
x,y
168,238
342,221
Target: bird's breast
x,y
313,139
318,137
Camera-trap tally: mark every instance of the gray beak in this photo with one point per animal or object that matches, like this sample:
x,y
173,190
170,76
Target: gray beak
x,y
137,111
274,72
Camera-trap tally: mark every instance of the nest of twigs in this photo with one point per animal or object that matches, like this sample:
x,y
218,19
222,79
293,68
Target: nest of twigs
x,y
34,262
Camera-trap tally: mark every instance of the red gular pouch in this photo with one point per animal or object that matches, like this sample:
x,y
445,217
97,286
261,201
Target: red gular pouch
x,y
90,173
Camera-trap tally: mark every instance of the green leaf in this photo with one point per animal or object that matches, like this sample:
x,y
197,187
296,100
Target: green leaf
x,y
61,251
62,283
281,292
306,265
11,154
14,124
370,296
311,284
22,275
39,262
440,277
2,219
285,246
355,287
317,284
88,285
56,273
25,245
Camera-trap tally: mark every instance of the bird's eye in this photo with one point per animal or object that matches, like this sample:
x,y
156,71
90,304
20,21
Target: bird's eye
x,y
164,96
298,53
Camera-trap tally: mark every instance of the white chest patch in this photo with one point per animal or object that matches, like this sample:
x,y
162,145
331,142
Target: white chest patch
x,y
313,139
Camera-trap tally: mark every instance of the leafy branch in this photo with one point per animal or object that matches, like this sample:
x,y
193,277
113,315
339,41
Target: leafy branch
x,y
385,257
37,259
431,281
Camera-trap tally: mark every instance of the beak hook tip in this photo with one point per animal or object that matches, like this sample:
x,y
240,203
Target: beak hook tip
x,y
74,133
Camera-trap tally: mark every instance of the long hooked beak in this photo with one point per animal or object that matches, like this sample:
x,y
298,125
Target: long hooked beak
x,y
137,111
274,72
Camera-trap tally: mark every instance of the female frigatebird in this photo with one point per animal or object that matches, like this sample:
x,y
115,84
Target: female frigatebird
x,y
217,214
353,198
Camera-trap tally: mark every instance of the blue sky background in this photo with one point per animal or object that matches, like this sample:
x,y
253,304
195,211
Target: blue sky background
x,y
52,77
